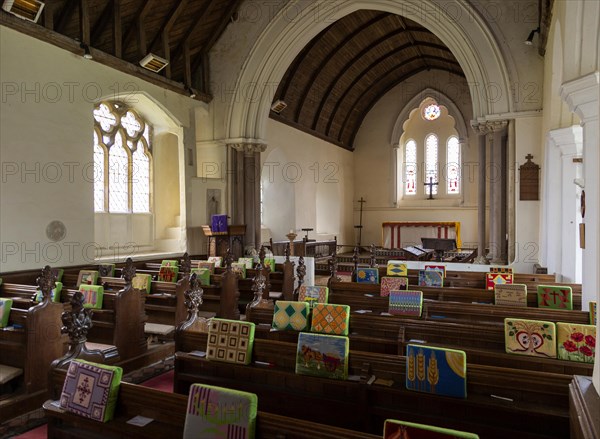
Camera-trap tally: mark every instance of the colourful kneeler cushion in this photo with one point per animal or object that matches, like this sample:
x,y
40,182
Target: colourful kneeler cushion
x,y
555,297
440,268
394,429
576,342
87,277
248,262
493,279
217,412
5,306
323,356
313,294
290,315
230,341
142,282
389,284
203,274
395,269
168,273
91,390
439,371
93,296
367,276
535,338
218,260
270,263
240,269
498,269
169,263
54,295
431,278
406,303
330,319
511,295
593,313
210,266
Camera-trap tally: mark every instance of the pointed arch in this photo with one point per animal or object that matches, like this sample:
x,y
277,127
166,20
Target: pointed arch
x,y
467,37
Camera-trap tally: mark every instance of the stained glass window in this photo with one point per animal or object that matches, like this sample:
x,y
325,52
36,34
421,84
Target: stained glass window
x,y
99,165
118,177
453,166
141,180
123,175
431,161
410,167
431,112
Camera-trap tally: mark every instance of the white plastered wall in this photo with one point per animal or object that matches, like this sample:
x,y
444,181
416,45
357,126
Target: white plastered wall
x,y
307,183
572,73
46,121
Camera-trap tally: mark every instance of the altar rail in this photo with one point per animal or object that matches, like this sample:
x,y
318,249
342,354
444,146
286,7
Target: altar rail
x,y
315,249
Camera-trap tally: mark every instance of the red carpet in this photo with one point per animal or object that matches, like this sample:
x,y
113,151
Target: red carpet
x,y
37,433
163,382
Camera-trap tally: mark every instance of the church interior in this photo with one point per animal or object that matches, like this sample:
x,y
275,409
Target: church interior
x,y
425,172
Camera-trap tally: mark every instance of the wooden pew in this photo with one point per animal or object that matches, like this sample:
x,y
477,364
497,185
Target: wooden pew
x,y
31,348
463,294
168,413
483,344
451,311
502,402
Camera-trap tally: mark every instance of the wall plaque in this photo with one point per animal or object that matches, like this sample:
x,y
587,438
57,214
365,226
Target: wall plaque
x,y
529,180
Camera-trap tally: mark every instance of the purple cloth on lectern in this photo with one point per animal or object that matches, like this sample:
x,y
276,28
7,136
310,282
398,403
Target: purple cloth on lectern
x,y
219,223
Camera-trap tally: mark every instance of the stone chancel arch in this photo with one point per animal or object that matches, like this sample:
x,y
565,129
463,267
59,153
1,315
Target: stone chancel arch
x,y
456,24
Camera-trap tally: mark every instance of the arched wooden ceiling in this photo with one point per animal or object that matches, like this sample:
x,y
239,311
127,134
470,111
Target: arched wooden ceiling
x,y
337,78
181,31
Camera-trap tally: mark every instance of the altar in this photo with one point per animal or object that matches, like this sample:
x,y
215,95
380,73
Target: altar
x,y
402,234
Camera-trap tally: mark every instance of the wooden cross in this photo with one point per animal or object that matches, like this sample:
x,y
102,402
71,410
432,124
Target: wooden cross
x,y
431,184
528,157
359,227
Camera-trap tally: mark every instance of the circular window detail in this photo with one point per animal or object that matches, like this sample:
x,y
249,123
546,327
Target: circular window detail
x,y
431,112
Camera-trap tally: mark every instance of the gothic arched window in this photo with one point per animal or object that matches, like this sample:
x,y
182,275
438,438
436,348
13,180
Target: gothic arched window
x,y
122,160
422,156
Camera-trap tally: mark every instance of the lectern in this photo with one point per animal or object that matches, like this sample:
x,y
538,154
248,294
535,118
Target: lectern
x,y
439,245
219,242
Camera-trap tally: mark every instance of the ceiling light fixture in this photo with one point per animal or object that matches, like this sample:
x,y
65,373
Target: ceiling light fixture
x,y
278,106
153,62
26,9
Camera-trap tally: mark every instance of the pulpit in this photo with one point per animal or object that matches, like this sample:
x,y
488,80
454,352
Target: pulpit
x,y
219,242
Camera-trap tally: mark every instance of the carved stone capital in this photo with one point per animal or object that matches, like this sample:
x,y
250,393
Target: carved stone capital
x,y
489,126
248,148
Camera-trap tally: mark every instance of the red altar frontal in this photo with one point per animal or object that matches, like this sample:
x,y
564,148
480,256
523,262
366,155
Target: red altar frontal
x,y
402,234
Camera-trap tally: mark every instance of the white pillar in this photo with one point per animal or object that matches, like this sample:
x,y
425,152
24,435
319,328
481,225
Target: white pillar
x,y
583,97
568,143
552,199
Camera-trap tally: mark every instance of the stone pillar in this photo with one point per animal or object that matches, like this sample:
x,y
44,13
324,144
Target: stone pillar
x,y
497,180
481,130
397,175
245,190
